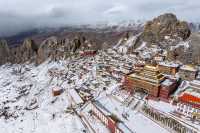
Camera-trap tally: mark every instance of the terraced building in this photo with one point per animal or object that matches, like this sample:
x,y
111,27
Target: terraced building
x,y
148,79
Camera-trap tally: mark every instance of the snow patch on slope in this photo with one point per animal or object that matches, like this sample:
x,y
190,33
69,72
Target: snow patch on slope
x,y
185,44
143,45
125,44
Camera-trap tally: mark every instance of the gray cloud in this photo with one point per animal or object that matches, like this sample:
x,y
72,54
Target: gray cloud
x,y
20,15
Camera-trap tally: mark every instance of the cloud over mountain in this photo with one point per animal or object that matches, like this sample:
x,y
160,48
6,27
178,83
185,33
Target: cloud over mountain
x,y
20,15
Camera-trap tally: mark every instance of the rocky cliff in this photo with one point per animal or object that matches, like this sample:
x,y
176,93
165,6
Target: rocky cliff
x,y
25,52
60,48
174,36
163,27
164,30
53,47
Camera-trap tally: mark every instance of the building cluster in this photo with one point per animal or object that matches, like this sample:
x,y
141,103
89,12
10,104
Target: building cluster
x,y
188,101
126,83
167,121
162,81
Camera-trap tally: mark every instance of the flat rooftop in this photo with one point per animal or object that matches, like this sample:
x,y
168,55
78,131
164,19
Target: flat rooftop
x,y
192,91
168,64
188,68
167,82
133,75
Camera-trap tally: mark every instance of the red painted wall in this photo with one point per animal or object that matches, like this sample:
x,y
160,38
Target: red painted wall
x,y
111,125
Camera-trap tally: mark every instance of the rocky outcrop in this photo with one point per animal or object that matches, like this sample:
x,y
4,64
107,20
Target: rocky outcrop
x,y
4,51
45,50
55,48
163,27
67,41
163,31
25,52
60,48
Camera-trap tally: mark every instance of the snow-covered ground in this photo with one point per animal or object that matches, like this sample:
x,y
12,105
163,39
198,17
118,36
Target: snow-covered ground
x,y
135,120
27,104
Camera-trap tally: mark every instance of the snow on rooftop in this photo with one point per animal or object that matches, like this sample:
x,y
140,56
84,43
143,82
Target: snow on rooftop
x,y
184,84
167,82
192,91
56,88
162,106
144,78
167,37
121,95
75,96
188,68
196,82
169,64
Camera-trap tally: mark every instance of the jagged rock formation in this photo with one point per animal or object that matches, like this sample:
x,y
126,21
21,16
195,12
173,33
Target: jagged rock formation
x,y
25,52
4,51
164,31
45,50
59,48
53,47
174,36
61,43
163,27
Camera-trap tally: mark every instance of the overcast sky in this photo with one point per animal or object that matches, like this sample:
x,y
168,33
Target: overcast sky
x,y
20,15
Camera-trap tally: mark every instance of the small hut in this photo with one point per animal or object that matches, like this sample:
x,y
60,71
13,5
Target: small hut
x,y
56,91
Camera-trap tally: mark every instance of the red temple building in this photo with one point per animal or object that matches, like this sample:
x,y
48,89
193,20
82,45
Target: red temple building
x,y
168,86
168,68
150,80
189,101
